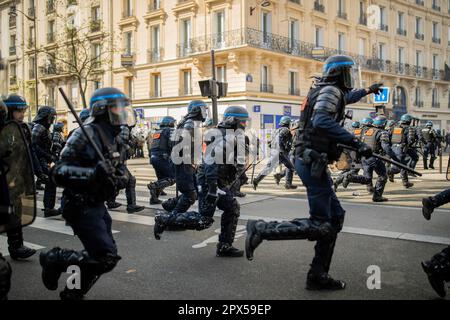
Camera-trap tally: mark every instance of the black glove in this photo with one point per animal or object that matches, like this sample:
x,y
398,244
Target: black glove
x,y
104,170
375,88
362,148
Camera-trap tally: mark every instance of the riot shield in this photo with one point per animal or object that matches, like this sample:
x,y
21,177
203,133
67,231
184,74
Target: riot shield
x,y
17,187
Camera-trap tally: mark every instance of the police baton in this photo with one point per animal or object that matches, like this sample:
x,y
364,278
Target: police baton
x,y
385,159
69,104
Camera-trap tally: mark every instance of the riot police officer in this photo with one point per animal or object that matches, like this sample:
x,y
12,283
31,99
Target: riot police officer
x,y
17,106
58,140
187,130
42,144
289,172
280,148
160,159
318,138
438,268
377,138
130,189
5,268
88,181
429,140
403,138
216,179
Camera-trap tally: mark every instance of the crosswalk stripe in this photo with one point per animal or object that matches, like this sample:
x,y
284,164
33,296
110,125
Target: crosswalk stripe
x,y
4,246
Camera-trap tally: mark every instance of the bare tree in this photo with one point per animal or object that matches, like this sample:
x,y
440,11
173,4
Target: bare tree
x,y
83,48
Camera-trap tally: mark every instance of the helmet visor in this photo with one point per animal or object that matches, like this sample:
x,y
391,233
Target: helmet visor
x,y
206,113
350,77
122,114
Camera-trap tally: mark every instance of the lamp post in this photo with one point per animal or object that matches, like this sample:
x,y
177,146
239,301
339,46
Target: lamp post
x,y
36,89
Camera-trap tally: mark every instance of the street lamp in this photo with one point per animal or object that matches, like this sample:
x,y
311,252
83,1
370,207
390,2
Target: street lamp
x,y
36,89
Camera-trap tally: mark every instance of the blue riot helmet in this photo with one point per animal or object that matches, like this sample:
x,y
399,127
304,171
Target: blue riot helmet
x,y
380,122
14,103
429,124
236,117
58,127
356,124
285,121
114,105
406,119
339,69
198,110
167,122
367,122
84,115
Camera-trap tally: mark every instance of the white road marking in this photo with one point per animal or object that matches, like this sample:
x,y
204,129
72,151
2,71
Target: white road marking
x,y
240,232
54,225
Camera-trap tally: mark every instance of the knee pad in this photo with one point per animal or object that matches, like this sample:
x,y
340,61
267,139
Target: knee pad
x,y
103,264
382,179
192,221
192,197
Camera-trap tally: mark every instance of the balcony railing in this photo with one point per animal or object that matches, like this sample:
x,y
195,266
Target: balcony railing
x,y
51,6
12,80
418,104
420,36
50,37
95,25
420,3
342,15
363,20
401,31
384,27
318,6
185,91
155,55
294,92
155,5
12,51
49,70
127,59
31,12
289,46
436,40
266,88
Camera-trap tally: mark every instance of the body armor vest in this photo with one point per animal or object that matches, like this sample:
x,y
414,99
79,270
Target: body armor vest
x,y
426,135
160,142
370,138
398,136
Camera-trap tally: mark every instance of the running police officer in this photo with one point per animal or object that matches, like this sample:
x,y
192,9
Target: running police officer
x,y
429,140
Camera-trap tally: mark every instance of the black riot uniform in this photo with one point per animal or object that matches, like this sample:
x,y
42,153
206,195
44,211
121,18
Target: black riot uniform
x,y
377,138
88,181
130,190
403,139
184,138
41,139
317,140
288,173
429,139
58,140
5,268
281,146
216,181
160,150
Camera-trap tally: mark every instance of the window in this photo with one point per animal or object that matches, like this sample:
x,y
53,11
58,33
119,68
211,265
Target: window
x,y
96,55
187,82
185,35
293,83
50,31
382,51
129,43
419,59
219,28
418,98
383,19
341,42
436,33
128,8
51,96
221,73
293,33
341,6
155,43
95,13
156,85
31,36
435,98
362,46
74,93
266,26
362,13
401,28
265,80
31,67
436,66
319,36
401,59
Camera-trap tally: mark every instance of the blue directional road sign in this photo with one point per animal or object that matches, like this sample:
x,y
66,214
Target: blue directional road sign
x,y
383,97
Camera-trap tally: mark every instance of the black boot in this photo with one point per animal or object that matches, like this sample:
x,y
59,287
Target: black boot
x,y
391,177
323,281
277,177
370,189
290,187
427,207
227,250
161,222
254,238
379,199
55,262
425,165
113,205
153,194
48,213
432,164
133,208
16,248
438,272
256,181
408,185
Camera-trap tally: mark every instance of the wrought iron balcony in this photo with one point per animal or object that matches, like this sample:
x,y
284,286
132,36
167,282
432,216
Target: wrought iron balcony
x,y
294,92
95,25
436,40
401,31
384,27
342,15
127,59
420,36
49,70
12,50
266,88
155,55
318,6
420,3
